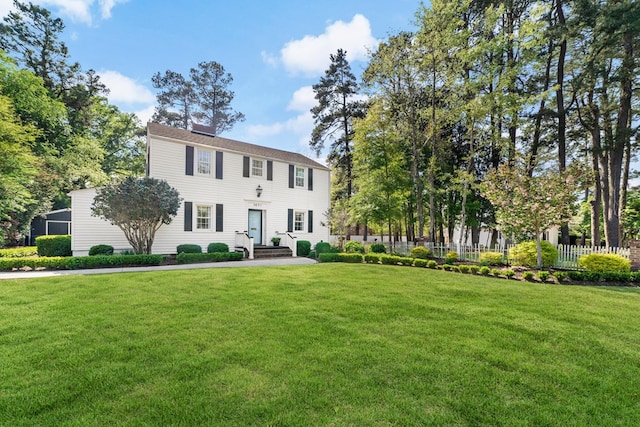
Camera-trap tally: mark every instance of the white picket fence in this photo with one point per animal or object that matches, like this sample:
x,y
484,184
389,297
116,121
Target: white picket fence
x,y
567,254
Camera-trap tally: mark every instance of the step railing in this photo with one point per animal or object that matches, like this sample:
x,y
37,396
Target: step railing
x,y
245,242
289,240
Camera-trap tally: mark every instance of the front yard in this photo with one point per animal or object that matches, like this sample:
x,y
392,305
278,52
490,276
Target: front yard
x,y
326,344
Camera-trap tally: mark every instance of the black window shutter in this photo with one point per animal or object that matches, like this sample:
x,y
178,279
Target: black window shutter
x,y
269,170
219,217
189,161
310,179
290,221
188,216
310,226
291,175
218,164
245,166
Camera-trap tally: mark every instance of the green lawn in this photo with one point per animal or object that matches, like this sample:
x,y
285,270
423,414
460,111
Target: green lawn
x,y
326,344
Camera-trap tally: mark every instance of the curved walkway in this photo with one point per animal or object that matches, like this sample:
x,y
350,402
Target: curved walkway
x,y
244,263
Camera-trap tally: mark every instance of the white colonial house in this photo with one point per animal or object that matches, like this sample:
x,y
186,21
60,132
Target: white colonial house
x,y
233,192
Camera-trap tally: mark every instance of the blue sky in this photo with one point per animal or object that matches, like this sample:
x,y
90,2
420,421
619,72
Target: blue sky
x,y
275,51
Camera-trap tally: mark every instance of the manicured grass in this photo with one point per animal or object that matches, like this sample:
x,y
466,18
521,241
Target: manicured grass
x,y
326,344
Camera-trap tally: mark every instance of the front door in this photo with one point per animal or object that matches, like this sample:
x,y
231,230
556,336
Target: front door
x,y
255,226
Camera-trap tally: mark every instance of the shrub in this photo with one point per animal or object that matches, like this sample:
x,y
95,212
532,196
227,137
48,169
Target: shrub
x,y
190,257
604,262
446,267
484,270
52,246
525,254
372,258
527,275
432,264
322,247
575,275
353,247
101,250
420,262
617,276
406,260
420,252
74,263
217,247
19,252
327,256
491,258
127,252
378,248
312,254
189,249
560,276
354,258
474,269
303,247
509,273
390,259
464,268
496,272
543,276
451,257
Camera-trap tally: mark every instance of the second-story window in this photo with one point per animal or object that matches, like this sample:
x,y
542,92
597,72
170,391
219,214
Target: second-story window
x,y
204,162
299,177
256,167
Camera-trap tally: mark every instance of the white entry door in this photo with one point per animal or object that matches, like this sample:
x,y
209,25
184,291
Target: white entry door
x,y
255,226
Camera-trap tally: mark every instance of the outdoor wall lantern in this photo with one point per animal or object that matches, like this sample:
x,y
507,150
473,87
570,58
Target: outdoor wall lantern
x,y
259,191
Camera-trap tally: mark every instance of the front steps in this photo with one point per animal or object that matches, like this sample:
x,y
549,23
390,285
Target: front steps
x,y
260,251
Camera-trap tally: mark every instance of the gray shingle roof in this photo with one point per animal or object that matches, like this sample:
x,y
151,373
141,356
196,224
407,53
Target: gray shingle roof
x,y
162,131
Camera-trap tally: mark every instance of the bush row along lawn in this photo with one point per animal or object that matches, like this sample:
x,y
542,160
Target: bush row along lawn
x,y
326,344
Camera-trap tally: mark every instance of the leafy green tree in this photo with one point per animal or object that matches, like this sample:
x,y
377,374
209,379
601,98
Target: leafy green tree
x,y
381,170
139,207
18,168
204,97
338,105
528,205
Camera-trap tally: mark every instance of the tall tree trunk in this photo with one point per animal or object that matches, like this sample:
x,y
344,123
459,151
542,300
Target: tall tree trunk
x,y
561,111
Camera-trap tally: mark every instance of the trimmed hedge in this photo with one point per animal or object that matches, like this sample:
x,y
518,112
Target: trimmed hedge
x,y
101,250
189,249
80,262
372,258
21,252
52,246
604,262
303,247
390,259
341,257
188,258
327,256
217,247
322,247
420,262
353,246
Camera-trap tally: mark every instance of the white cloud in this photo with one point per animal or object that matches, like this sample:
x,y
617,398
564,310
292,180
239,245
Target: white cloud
x,y
310,55
303,99
76,10
124,90
146,114
268,58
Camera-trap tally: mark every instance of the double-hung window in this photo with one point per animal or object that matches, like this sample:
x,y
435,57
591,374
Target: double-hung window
x,y
257,167
204,162
299,176
203,217
298,221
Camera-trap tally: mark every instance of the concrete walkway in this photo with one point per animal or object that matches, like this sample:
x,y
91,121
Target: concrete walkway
x,y
244,263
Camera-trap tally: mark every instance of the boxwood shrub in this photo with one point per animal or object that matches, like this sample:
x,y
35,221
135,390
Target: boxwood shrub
x,y
217,247
75,263
372,258
432,264
189,249
451,257
604,262
390,259
327,256
322,247
52,246
378,248
303,247
101,250
188,258
420,262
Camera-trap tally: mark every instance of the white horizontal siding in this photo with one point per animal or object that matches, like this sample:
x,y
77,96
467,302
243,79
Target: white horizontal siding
x,y
236,193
